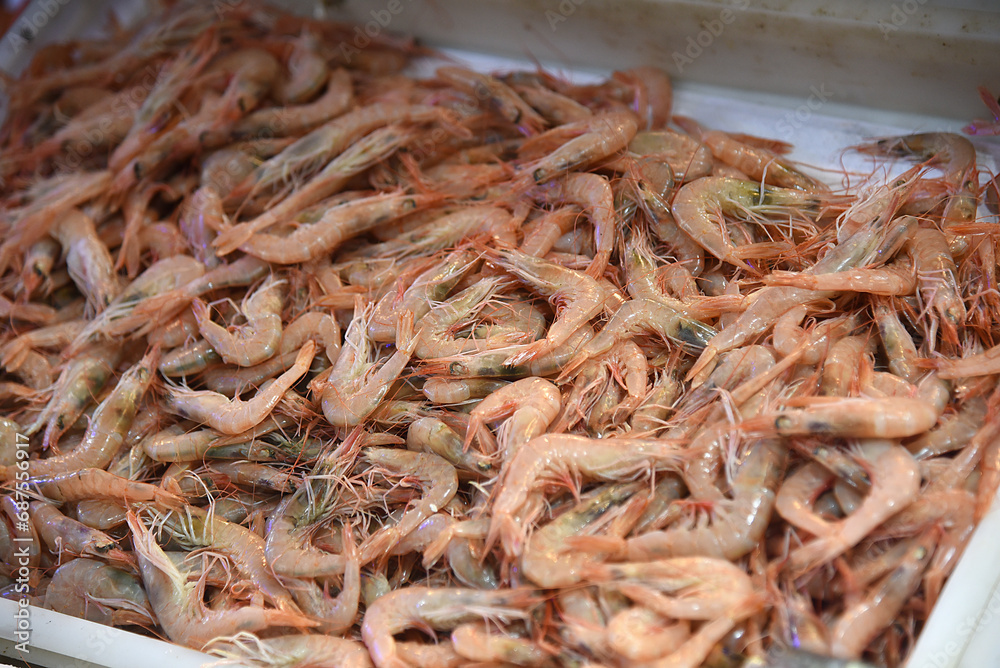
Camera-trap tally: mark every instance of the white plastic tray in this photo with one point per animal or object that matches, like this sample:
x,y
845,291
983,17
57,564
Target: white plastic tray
x,y
963,630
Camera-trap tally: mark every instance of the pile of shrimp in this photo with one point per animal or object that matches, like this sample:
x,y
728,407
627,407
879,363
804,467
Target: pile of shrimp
x,y
308,361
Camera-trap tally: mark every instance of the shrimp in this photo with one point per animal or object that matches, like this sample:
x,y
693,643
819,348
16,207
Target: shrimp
x,y
639,634
558,456
432,285
557,109
429,608
197,528
737,524
699,206
306,154
895,279
53,198
957,157
895,484
178,603
476,642
336,615
442,321
493,362
14,352
592,193
687,158
845,417
159,308
95,591
768,304
936,275
578,296
87,259
645,315
307,69
91,483
758,163
292,121
255,341
541,234
337,225
367,151
500,97
695,588
428,434
62,533
108,427
862,621
438,479
291,650
548,561
592,139
530,404
39,263
189,359
232,416
355,387
158,105
116,319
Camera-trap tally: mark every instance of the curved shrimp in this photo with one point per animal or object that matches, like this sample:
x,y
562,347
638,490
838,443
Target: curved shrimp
x,y
178,603
592,193
557,456
287,546
530,406
699,206
434,608
232,416
255,341
895,484
437,478
737,524
355,388
196,528
954,153
579,297
548,561
441,322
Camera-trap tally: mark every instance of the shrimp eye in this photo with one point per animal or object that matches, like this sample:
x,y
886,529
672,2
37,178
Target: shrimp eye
x,y
783,422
